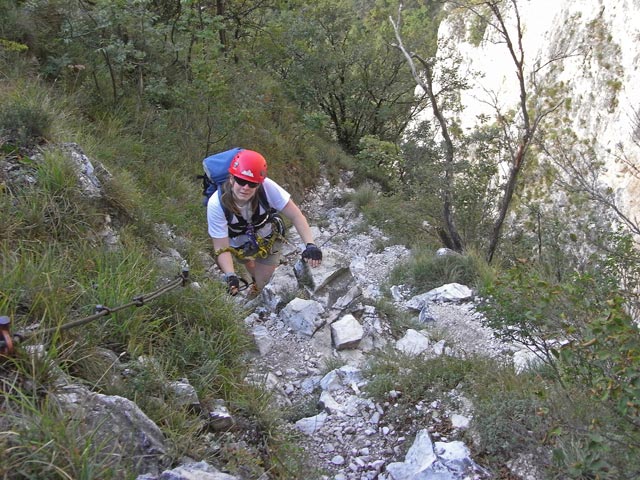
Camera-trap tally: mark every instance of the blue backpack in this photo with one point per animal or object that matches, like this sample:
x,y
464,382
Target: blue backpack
x,y
216,172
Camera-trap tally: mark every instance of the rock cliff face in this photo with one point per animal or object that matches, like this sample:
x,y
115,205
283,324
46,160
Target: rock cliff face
x,y
584,50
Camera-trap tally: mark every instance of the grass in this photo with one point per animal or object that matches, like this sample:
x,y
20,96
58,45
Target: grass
x,y
398,321
203,341
40,441
574,436
418,377
50,207
506,406
24,116
55,270
393,215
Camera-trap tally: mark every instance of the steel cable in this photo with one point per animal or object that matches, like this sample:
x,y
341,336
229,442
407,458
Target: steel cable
x,y
7,342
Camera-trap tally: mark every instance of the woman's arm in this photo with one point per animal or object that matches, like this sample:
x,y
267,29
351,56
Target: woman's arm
x,y
224,260
312,254
293,213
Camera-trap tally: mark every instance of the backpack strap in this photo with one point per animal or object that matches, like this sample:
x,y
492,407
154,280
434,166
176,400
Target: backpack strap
x,y
227,214
262,200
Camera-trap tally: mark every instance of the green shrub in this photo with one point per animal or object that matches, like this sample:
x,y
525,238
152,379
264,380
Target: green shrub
x,y
23,122
380,162
417,377
607,361
508,413
525,306
582,328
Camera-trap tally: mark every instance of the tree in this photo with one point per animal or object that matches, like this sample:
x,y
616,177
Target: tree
x,y
503,18
529,118
425,80
333,59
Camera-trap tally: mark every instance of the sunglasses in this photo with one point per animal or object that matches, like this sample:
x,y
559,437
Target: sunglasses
x,y
242,182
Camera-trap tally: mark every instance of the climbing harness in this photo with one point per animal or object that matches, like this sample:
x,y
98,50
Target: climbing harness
x,y
251,247
8,341
257,246
261,248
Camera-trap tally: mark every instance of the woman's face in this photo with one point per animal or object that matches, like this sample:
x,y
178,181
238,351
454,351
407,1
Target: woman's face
x,y
243,190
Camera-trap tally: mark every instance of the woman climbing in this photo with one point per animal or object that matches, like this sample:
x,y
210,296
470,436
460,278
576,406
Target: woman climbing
x,y
244,221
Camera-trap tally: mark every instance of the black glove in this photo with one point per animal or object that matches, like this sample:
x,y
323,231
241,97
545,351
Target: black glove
x,y
233,283
312,252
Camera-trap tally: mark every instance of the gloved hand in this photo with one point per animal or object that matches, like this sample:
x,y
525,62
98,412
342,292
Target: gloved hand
x,y
233,283
312,252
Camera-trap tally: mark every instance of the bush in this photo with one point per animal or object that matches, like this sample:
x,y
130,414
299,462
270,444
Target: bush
x,y
582,329
380,162
508,413
23,121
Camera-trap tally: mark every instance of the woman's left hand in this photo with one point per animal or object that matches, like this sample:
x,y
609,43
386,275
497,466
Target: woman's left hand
x,y
312,255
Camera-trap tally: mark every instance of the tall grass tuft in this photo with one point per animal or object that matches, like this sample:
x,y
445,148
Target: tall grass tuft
x,y
45,444
425,270
23,121
418,377
50,208
365,196
36,285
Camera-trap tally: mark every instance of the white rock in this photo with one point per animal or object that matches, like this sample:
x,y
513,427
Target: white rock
x,y
311,425
413,343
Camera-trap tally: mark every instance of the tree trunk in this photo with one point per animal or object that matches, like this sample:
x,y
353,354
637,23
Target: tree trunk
x,y
510,188
220,9
450,236
518,157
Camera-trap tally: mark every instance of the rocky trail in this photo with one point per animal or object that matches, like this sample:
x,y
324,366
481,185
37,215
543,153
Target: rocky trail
x,y
312,354
316,332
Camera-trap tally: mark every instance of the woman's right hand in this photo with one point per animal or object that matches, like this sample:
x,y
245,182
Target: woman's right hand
x,y
233,283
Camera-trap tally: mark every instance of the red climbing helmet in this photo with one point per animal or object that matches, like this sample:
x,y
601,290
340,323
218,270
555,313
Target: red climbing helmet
x,y
249,165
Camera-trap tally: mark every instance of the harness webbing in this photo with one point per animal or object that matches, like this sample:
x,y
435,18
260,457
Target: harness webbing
x,y
264,247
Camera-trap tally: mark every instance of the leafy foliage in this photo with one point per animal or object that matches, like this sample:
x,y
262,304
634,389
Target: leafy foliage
x,y
148,88
582,330
333,59
380,162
